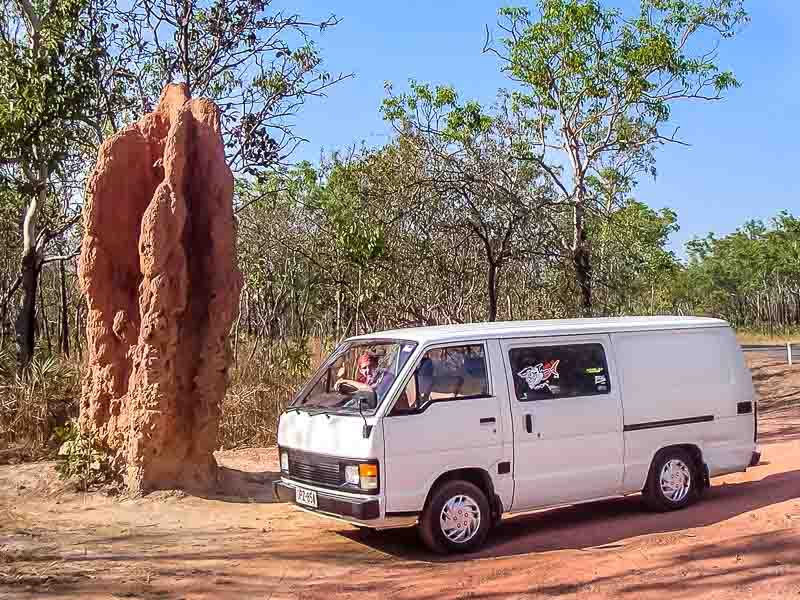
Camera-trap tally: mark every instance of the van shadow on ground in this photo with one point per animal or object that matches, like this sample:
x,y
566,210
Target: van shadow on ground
x,y
601,524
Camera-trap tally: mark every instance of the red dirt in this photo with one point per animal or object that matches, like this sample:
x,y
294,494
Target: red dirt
x,y
741,541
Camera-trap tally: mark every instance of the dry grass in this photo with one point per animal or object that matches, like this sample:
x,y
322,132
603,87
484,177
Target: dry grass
x,y
263,381
752,337
32,406
747,338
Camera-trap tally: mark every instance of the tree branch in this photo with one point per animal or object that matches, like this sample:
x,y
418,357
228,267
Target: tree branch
x,y
30,13
50,259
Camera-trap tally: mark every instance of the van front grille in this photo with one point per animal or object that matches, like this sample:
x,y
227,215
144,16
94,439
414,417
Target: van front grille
x,y
315,468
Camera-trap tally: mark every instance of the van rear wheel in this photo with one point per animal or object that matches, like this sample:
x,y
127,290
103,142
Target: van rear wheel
x,y
456,518
673,482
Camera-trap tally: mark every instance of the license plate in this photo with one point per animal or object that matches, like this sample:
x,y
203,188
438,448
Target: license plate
x,y
307,497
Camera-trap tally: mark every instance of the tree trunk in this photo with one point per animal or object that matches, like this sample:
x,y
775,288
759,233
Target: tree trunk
x,y
338,310
358,303
492,281
581,259
30,265
26,317
43,320
64,341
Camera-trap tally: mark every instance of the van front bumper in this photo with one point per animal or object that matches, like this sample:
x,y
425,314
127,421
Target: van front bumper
x,y
341,506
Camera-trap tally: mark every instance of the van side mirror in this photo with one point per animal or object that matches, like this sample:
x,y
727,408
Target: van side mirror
x,y
365,400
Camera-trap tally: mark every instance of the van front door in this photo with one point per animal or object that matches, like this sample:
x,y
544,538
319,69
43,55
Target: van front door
x,y
567,420
447,417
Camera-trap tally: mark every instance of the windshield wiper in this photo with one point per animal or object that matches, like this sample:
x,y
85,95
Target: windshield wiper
x,y
313,410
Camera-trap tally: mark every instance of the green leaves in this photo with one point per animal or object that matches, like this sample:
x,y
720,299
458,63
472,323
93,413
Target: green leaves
x,y
751,276
358,237
81,457
593,74
596,87
48,83
436,108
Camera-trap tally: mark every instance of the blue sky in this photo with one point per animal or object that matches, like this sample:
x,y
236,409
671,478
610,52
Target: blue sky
x,y
744,150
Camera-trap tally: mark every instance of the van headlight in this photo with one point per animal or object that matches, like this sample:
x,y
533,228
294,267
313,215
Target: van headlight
x,y
351,475
284,461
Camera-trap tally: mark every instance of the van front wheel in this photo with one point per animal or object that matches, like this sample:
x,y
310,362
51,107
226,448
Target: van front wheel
x,y
673,481
456,519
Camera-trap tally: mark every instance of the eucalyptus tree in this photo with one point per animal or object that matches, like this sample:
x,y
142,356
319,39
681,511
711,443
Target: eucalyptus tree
x,y
598,87
481,189
51,114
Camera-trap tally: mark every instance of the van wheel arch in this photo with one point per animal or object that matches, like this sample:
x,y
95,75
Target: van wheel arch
x,y
692,453
479,477
699,463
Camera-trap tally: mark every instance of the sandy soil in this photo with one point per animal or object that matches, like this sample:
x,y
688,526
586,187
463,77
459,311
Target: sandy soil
x,y
741,541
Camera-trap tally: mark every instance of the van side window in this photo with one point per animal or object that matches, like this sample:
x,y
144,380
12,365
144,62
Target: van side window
x,y
543,372
450,373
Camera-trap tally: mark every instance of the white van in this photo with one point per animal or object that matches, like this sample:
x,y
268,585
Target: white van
x,y
451,427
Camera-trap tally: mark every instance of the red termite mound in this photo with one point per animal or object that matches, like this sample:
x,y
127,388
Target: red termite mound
x,y
159,274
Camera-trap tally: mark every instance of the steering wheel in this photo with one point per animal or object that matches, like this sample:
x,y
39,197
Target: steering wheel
x,y
346,388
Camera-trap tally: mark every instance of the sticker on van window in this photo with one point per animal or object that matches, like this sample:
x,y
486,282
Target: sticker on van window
x,y
594,370
600,379
538,376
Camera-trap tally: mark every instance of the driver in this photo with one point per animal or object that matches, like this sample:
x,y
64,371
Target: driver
x,y
368,369
368,375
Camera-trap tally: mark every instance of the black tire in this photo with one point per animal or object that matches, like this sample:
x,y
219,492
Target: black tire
x,y
430,527
654,493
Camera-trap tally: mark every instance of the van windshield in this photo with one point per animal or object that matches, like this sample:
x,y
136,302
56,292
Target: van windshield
x,y
357,372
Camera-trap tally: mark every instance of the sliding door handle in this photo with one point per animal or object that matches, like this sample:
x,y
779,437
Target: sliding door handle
x,y
487,420
529,423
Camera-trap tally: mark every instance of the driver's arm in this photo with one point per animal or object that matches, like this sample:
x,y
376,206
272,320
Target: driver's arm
x,y
352,383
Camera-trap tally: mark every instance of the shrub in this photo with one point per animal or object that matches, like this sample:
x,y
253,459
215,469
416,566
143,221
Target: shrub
x,y
81,458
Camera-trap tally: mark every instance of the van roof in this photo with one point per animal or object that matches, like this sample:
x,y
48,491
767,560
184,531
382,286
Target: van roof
x,y
445,333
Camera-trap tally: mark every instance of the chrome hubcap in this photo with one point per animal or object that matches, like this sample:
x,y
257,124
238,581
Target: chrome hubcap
x,y
676,480
460,519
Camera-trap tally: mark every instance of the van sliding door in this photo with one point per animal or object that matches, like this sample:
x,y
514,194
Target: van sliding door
x,y
567,419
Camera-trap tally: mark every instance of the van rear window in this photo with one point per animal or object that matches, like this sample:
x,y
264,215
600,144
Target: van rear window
x,y
544,372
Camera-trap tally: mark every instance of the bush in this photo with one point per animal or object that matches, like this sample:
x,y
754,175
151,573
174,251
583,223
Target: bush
x,y
81,458
34,404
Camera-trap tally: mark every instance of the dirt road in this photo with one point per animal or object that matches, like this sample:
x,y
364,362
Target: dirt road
x,y
741,541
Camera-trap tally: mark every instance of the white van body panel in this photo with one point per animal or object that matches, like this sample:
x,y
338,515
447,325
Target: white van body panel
x,y
443,438
697,375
